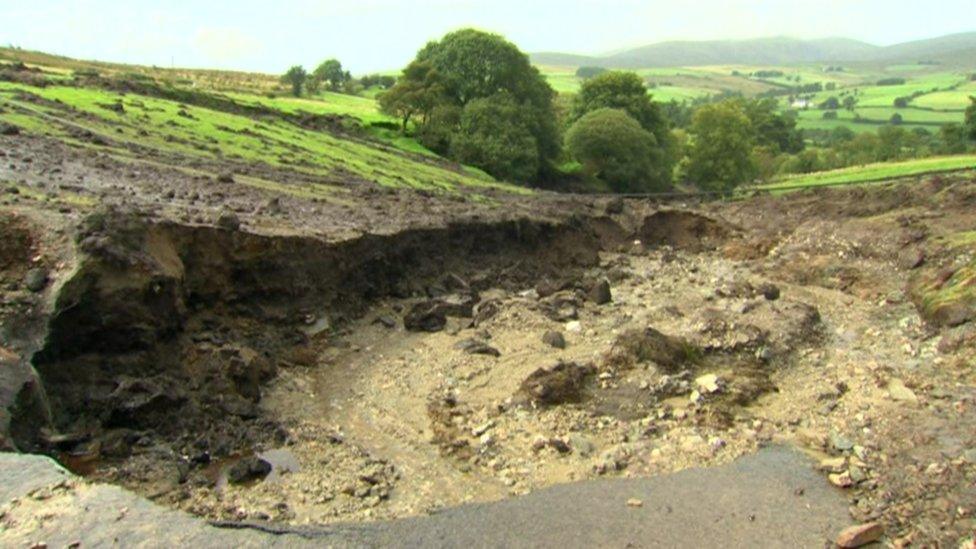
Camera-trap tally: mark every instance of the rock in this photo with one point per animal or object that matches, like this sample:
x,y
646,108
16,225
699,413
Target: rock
x,y
581,445
841,480
561,307
574,327
634,502
225,177
559,445
425,317
387,321
556,384
486,310
9,129
840,442
554,339
901,393
475,347
708,383
769,291
35,280
911,258
599,293
858,536
228,220
248,469
615,206
833,465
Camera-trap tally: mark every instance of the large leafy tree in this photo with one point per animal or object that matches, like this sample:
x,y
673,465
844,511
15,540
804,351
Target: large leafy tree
x,y
773,129
295,77
495,134
472,65
720,157
627,92
614,148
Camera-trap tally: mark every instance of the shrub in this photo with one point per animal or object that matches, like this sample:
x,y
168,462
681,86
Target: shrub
x,y
496,136
830,115
891,81
613,147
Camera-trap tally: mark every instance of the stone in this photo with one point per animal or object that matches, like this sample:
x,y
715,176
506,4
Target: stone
x,y
599,292
36,279
574,327
248,469
841,480
615,206
426,316
858,536
557,384
581,445
634,502
899,392
840,443
708,383
228,220
560,445
225,177
833,465
769,291
476,347
554,339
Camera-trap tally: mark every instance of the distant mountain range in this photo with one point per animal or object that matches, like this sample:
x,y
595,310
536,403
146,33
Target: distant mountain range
x,y
952,49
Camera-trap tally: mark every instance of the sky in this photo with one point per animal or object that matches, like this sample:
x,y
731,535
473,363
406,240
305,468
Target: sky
x,y
379,35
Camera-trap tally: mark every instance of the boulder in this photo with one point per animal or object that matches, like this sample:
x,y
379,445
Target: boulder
x,y
557,384
599,292
554,339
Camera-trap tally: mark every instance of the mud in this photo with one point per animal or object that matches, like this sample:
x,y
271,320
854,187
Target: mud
x,y
431,351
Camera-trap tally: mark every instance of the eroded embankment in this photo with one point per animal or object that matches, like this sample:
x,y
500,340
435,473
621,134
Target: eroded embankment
x,y
172,330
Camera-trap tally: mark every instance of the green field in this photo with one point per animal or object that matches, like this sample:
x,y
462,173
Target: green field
x,y
941,95
875,172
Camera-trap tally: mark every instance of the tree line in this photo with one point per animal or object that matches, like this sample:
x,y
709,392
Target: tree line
x,y
332,76
474,97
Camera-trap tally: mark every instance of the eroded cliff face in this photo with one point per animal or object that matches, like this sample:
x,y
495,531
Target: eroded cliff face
x,y
169,328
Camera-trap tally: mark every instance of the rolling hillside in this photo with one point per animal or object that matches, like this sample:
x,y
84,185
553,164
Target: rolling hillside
x,y
772,51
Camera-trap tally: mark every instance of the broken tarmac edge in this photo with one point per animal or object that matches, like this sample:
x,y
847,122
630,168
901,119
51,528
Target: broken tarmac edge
x,y
773,498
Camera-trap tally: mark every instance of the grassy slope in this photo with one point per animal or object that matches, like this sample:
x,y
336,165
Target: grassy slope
x,y
157,124
876,172
195,132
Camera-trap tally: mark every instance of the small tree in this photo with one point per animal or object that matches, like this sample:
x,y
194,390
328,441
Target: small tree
x,y
850,102
585,73
901,102
614,148
720,158
417,92
831,104
952,139
296,77
896,119
330,71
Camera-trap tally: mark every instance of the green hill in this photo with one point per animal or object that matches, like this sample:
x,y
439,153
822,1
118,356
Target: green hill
x,y
771,51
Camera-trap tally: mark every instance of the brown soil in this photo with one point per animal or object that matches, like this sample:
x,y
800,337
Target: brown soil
x,y
171,340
